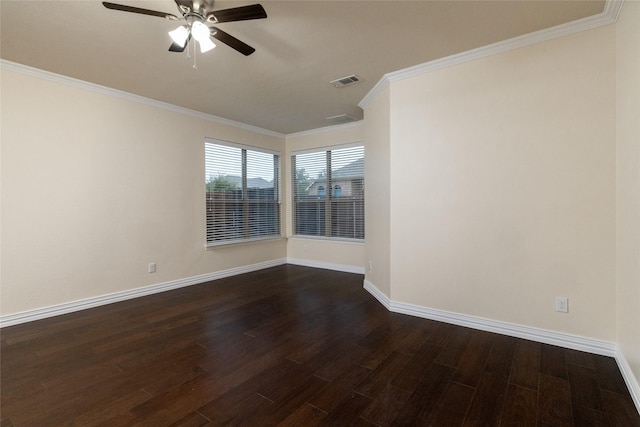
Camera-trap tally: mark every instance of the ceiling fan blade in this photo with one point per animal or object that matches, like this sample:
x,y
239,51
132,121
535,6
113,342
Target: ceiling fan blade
x,y
175,47
141,11
231,41
242,13
184,6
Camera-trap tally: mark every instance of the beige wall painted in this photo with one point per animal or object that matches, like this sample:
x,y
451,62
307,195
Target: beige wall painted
x,y
94,187
503,186
628,184
378,188
321,251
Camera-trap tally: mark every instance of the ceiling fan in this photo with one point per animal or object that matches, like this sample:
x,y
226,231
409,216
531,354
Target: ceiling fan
x,y
197,14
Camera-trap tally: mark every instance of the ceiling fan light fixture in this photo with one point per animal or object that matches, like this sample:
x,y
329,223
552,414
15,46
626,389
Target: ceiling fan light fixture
x,y
206,45
200,31
179,35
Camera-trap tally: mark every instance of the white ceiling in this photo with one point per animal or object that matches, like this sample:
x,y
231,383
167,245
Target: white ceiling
x,y
301,46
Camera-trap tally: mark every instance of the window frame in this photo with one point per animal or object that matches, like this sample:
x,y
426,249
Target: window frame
x,y
328,196
246,201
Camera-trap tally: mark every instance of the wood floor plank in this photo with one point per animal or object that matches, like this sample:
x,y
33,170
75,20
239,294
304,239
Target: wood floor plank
x,y
121,404
526,364
292,345
425,397
386,404
410,376
381,344
194,419
413,335
458,339
268,383
519,407
579,358
500,361
281,389
348,411
289,403
452,407
620,409
585,389
239,413
474,359
332,395
306,415
553,361
554,401
585,417
378,380
609,376
487,403
351,354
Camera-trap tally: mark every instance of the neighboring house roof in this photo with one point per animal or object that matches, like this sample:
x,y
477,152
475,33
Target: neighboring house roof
x,y
352,170
251,182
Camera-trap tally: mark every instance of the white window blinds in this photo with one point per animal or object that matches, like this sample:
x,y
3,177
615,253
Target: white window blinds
x,y
328,193
242,193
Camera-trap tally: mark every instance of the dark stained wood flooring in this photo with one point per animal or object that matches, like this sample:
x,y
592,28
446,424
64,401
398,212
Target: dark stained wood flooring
x,y
292,346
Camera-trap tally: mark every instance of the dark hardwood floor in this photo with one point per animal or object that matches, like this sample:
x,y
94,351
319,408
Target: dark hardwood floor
x,y
292,346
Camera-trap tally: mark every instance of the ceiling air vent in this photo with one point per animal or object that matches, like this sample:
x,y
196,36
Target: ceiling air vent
x,y
341,119
345,81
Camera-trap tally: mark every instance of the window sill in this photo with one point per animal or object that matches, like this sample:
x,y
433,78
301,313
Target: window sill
x,y
359,242
226,244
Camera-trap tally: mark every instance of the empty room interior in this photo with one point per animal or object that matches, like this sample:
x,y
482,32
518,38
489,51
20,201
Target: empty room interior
x,y
346,213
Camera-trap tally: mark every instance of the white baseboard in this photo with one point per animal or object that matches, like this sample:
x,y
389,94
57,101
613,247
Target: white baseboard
x,y
326,265
560,339
59,309
377,294
629,378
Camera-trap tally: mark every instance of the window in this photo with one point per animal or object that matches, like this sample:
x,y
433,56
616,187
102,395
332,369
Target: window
x,y
328,193
242,191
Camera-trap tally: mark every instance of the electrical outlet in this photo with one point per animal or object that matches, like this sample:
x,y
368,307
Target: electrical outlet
x,y
152,267
562,304
370,266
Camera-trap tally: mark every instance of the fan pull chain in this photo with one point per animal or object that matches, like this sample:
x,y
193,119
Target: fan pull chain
x,y
195,65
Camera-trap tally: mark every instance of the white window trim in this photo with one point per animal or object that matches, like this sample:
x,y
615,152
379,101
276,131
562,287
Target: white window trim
x,y
280,235
293,208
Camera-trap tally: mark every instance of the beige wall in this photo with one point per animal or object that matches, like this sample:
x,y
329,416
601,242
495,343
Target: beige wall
x,y
319,251
94,187
377,193
628,184
503,186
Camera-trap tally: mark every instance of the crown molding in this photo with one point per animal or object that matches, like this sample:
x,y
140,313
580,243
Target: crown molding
x,y
104,90
608,16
